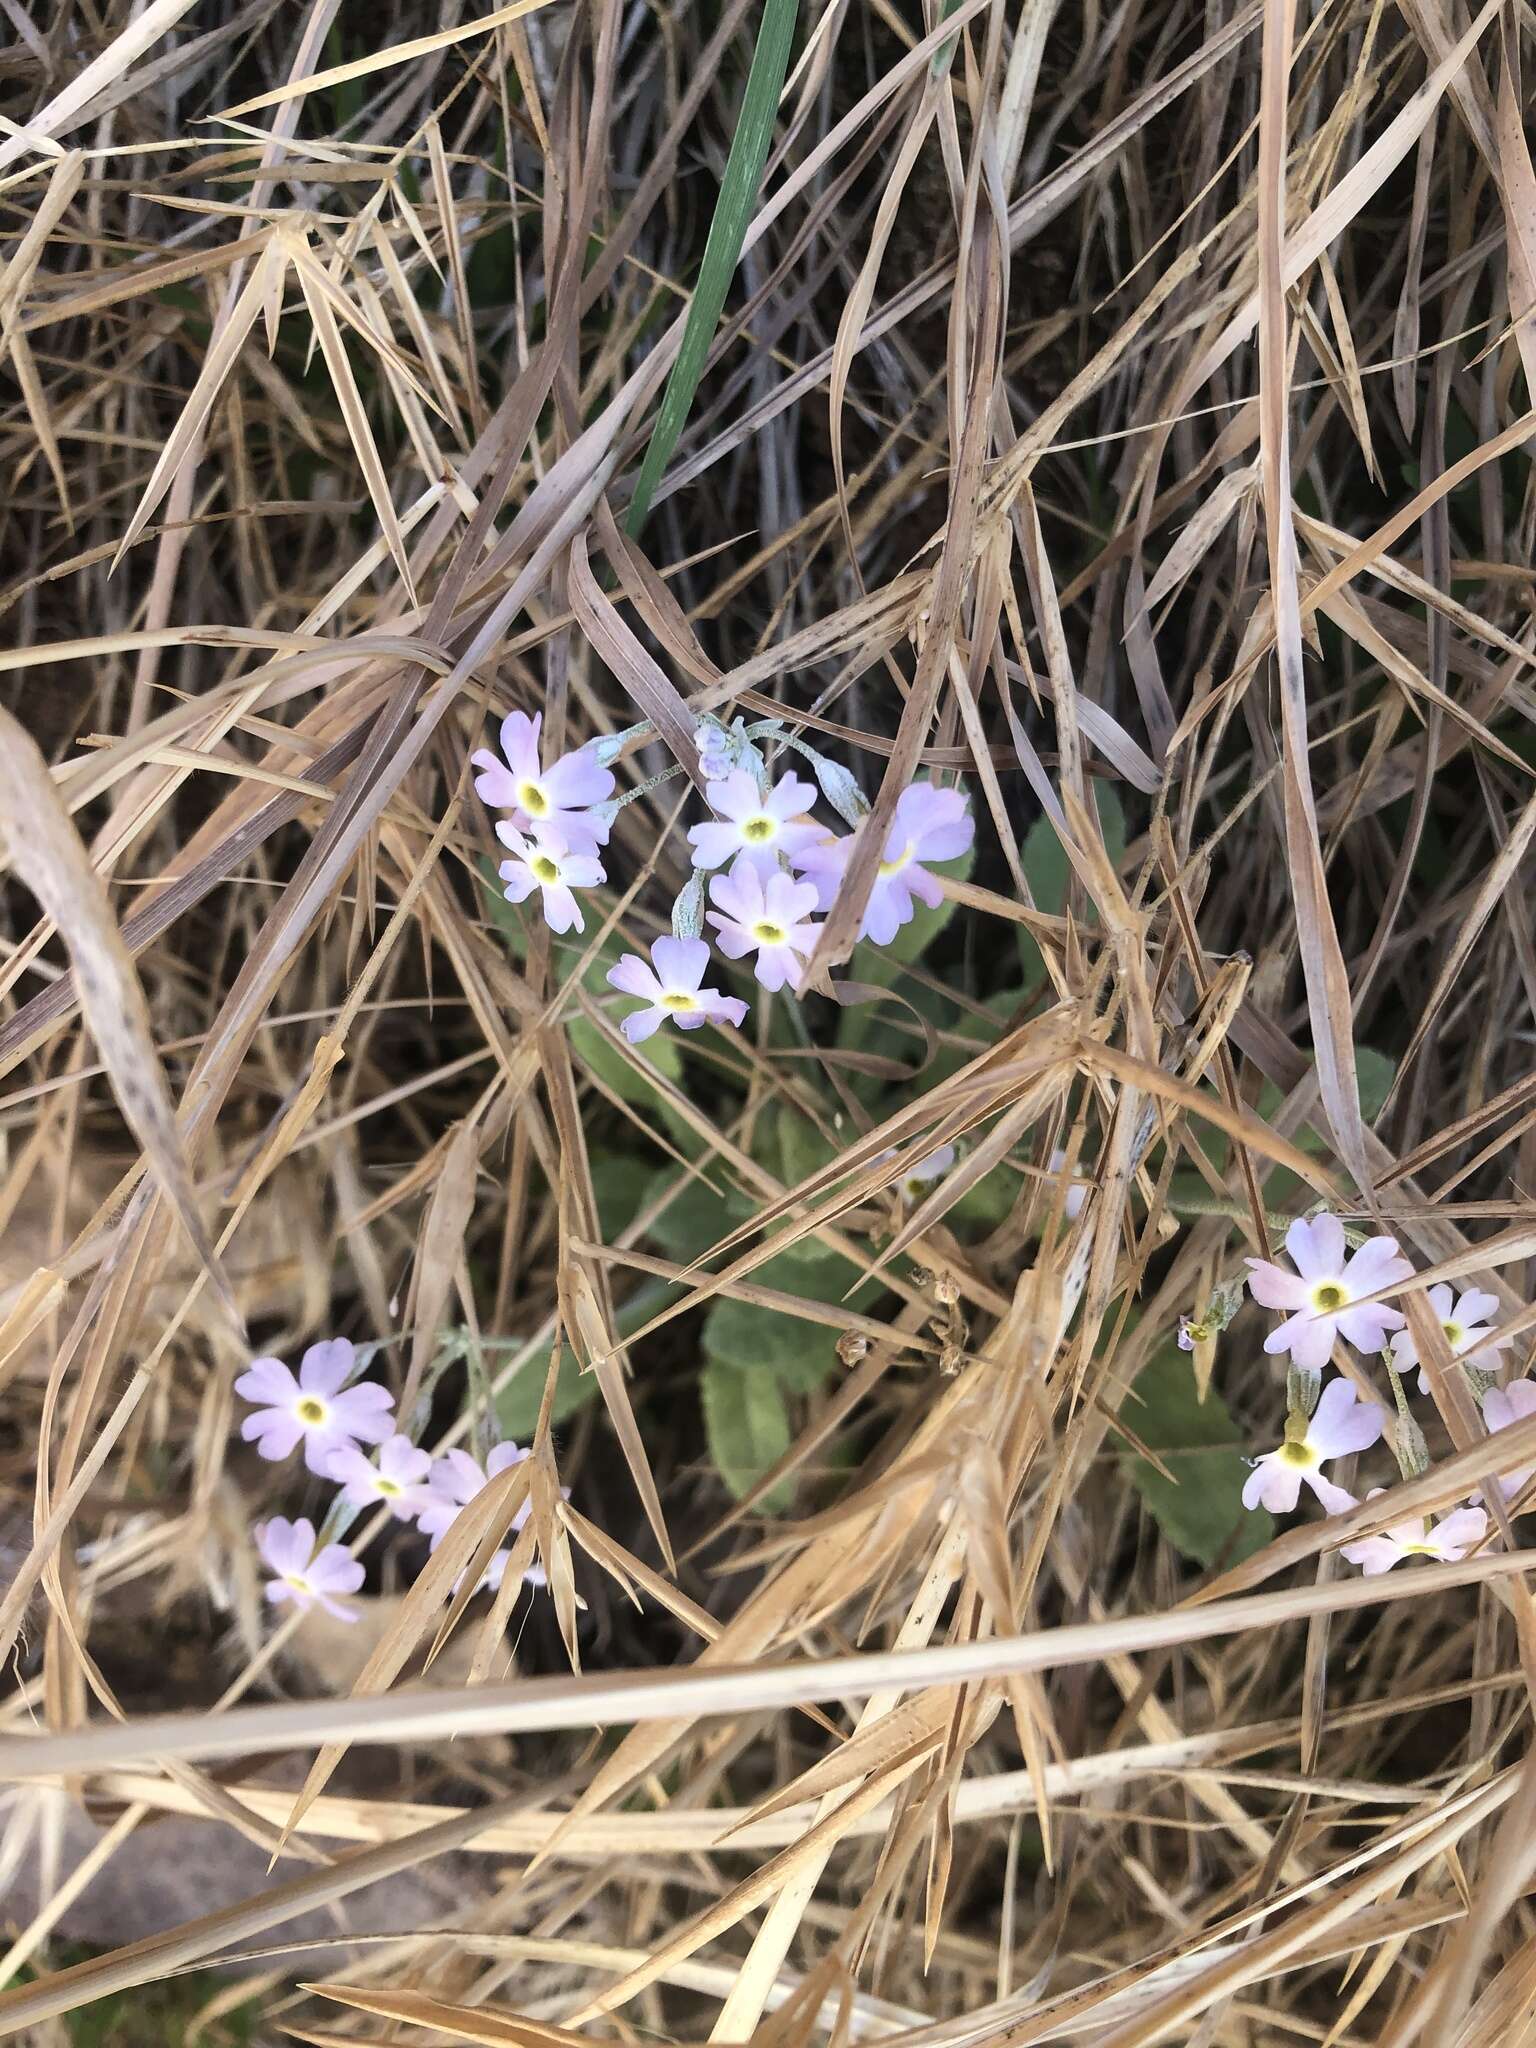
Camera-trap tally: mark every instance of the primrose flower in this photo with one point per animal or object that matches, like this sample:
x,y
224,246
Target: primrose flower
x,y
546,863
1323,1294
1338,1425
302,1574
919,1178
1077,1192
1470,1337
398,1479
559,796
929,824
766,915
670,989
456,1479
1447,1541
747,822
318,1408
1501,1407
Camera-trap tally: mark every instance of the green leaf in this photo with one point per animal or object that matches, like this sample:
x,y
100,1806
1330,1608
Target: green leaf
x,y
1201,1510
517,1405
747,1423
1049,872
797,1354
722,250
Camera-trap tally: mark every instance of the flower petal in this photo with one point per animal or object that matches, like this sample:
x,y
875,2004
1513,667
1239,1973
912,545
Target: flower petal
x,y
1342,1423
325,1368
1317,1247
1270,1285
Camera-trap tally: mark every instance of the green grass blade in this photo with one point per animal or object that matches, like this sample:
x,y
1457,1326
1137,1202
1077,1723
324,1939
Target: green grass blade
x,y
722,252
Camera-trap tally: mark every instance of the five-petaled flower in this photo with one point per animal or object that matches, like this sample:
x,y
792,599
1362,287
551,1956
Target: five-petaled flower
x,y
1324,1295
929,824
1338,1425
456,1479
559,796
318,1408
302,1574
1503,1406
746,822
546,863
765,915
398,1479
670,986
1468,1333
1447,1540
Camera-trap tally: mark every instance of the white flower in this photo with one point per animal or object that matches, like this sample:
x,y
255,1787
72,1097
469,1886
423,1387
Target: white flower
x,y
747,822
546,863
1339,1424
398,1479
1501,1407
1468,1333
1324,1294
1447,1540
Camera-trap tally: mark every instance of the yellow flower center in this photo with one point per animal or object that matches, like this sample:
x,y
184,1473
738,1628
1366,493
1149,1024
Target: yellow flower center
x,y
297,1581
310,1411
532,799
679,999
544,868
1454,1334
1328,1297
758,829
894,867
1301,1455
385,1486
767,934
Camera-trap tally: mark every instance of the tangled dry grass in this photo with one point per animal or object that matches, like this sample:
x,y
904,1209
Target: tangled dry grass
x,y
1124,409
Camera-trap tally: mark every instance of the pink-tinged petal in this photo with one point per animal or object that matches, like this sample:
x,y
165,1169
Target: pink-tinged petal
x,y
1440,1299
267,1380
336,1571
1460,1531
1373,1554
632,976
1317,1247
640,1024
888,909
279,1590
274,1432
583,871
1342,1423
336,1610
1308,1338
789,901
1521,1396
739,893
352,1471
773,966
404,1462
925,887
734,940
575,782
735,797
561,912
1366,1328
495,784
284,1546
366,1410
1272,1286
680,963
516,842
520,744
1272,1484
729,1010
518,877
503,1455
1405,1353
1376,1265
1334,1498
1475,1306
713,845
326,1368
789,798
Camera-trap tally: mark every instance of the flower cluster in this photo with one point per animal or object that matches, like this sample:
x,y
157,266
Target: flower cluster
x,y
1329,1299
333,1415
771,866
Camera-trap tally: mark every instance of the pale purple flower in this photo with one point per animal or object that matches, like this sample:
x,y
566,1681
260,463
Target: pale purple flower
x,y
318,1408
546,863
456,1479
398,1479
717,749
671,989
766,915
1324,1292
1468,1333
1339,1424
1447,1541
559,796
302,1574
747,822
1501,1407
919,1178
929,824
